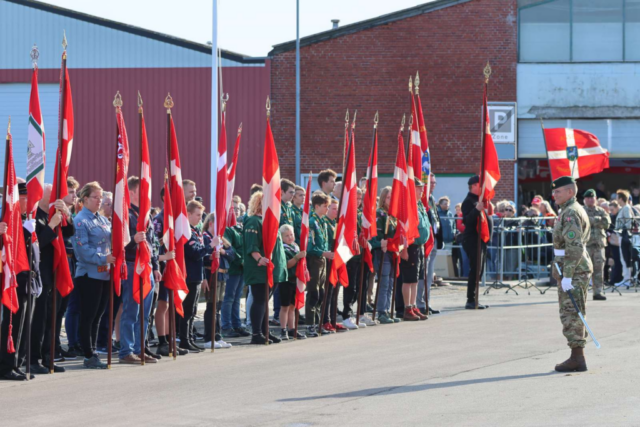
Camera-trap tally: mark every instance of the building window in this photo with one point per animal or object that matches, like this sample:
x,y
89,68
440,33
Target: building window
x,y
579,30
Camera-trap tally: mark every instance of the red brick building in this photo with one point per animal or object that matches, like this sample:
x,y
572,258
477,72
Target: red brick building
x,y
366,66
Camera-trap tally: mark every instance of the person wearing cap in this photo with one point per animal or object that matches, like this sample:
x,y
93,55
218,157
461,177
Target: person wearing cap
x,y
573,272
472,208
600,221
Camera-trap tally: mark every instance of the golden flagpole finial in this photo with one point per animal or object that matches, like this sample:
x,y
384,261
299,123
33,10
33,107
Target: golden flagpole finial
x,y
375,120
139,102
117,100
416,83
353,123
402,124
240,129
35,54
346,119
268,107
487,72
410,85
168,103
410,121
223,101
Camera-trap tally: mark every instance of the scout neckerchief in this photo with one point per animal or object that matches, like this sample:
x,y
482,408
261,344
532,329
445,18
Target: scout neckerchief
x,y
321,227
283,211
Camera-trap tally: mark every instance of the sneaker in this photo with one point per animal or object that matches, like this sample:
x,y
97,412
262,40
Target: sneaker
x,y
273,339
242,332
68,355
258,339
58,357
223,344
193,344
384,319
38,369
130,359
230,333
329,328
409,315
102,350
181,351
340,327
207,345
311,332
349,323
163,350
367,321
94,362
284,335
149,353
417,312
56,368
189,347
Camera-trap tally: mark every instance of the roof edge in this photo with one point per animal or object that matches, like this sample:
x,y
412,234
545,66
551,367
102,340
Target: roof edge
x,y
366,24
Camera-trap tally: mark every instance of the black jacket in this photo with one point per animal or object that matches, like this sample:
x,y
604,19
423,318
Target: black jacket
x,y
131,248
470,217
46,237
434,219
195,251
35,287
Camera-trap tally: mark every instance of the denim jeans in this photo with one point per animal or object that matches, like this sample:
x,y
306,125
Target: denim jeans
x,y
248,306
230,316
431,264
72,318
385,282
130,319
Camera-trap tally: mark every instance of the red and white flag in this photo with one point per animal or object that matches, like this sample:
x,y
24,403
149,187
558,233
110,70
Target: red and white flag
x,y
64,282
231,184
413,165
14,252
399,198
271,199
173,277
302,271
369,228
35,149
425,171
178,206
222,182
574,152
120,236
143,254
346,246
490,172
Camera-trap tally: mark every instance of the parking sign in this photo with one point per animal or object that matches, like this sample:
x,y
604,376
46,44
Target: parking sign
x,y
503,118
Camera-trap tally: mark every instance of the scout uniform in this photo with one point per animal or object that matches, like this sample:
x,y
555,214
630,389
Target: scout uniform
x,y
253,243
329,288
570,236
286,214
385,281
316,263
600,221
297,222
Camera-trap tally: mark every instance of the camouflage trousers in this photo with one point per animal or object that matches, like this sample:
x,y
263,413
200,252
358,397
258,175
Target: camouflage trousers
x,y
572,327
598,259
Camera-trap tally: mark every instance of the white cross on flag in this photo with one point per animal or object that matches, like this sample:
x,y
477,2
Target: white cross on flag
x,y
270,200
574,152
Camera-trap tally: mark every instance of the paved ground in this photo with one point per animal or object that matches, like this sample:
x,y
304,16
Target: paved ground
x,y
460,368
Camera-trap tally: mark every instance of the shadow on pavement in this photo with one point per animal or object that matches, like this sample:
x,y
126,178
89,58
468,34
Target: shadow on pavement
x,y
414,388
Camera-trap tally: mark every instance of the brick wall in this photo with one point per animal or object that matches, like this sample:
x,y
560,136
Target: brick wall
x,y
369,70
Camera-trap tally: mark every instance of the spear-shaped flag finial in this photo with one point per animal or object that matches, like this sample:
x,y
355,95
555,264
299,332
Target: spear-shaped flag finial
x,y
416,83
168,103
117,100
487,72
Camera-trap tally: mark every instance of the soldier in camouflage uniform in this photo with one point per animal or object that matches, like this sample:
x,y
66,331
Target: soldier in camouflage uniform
x,y
600,221
570,236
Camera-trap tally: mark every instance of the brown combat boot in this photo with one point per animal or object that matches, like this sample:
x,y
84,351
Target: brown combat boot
x,y
409,315
576,363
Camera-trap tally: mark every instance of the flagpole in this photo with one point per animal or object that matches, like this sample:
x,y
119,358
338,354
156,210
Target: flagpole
x,y
140,281
168,104
487,74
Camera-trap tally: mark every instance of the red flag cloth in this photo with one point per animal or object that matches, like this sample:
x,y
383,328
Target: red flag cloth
x,y
369,229
222,182
35,149
14,252
491,173
173,277
143,254
270,200
178,206
414,162
399,198
302,272
231,181
64,281
574,152
120,236
425,171
345,246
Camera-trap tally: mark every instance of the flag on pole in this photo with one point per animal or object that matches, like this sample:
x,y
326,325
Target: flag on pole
x,y
302,271
231,176
35,149
399,197
120,236
182,228
345,246
14,252
64,282
424,146
369,228
143,254
271,199
173,277
490,172
223,179
574,152
413,164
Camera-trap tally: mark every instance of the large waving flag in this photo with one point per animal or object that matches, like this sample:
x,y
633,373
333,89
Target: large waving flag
x,y
64,282
574,152
347,230
231,183
120,236
222,181
413,164
178,205
143,254
369,228
270,200
35,149
173,277
302,271
14,253
424,145
400,197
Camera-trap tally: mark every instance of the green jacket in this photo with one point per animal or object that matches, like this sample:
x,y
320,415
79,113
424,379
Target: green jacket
x,y
291,251
286,214
570,236
234,236
331,232
253,243
297,222
381,219
424,227
318,238
600,221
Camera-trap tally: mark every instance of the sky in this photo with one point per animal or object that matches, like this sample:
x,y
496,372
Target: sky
x,y
250,27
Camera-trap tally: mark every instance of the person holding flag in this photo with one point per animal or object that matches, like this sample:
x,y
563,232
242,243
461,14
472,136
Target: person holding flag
x,y
288,289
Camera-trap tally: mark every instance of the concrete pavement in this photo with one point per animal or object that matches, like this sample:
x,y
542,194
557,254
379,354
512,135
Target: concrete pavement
x,y
460,368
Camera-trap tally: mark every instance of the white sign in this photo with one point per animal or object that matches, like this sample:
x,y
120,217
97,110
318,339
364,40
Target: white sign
x,y
502,116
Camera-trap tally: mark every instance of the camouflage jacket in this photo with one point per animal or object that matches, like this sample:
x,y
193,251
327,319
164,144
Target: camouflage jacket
x,y
570,236
600,221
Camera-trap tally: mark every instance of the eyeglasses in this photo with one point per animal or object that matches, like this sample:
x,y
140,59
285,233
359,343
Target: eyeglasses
x,y
95,197
509,210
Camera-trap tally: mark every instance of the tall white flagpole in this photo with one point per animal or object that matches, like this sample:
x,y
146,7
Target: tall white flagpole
x,y
214,109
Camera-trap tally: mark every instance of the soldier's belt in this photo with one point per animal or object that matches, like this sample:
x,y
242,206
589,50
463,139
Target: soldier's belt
x,y
558,252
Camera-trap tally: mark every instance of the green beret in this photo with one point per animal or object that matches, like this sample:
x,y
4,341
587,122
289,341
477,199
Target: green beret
x,y
418,182
562,181
590,193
